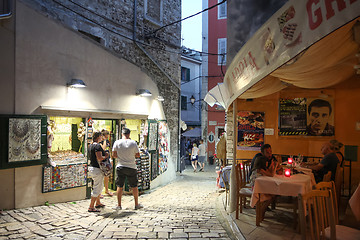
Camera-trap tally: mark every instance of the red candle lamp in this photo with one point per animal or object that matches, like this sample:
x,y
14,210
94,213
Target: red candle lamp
x,y
290,160
287,172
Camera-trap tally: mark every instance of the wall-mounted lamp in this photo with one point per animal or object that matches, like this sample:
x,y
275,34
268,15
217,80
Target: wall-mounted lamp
x,y
76,83
192,99
143,93
160,98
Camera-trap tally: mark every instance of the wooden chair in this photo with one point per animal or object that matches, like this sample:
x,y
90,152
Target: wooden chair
x,y
338,181
246,165
242,192
317,218
226,182
330,186
327,177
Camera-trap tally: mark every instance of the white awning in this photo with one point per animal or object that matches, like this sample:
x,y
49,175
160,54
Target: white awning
x,y
287,50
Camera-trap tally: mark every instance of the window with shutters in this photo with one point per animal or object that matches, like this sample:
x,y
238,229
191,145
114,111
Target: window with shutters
x,y
183,103
222,51
185,74
154,11
221,10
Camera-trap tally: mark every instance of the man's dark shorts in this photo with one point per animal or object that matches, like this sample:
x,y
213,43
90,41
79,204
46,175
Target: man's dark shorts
x,y
129,173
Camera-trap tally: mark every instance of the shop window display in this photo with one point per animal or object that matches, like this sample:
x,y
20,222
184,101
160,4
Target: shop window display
x,y
67,163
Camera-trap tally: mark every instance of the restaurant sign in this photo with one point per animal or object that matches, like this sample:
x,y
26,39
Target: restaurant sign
x,y
291,30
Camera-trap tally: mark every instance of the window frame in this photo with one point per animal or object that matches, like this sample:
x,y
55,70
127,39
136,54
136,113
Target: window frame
x,y
151,19
221,7
184,103
221,41
186,71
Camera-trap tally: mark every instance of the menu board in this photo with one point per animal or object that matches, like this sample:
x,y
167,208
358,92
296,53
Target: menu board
x,y
292,116
250,130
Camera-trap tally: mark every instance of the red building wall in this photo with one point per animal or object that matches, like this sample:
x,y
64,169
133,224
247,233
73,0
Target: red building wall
x,y
216,30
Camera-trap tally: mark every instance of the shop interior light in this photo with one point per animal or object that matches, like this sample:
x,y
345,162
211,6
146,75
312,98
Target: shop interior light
x,y
160,98
143,93
76,83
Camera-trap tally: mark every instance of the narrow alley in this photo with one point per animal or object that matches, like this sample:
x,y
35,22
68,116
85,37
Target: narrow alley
x,y
183,209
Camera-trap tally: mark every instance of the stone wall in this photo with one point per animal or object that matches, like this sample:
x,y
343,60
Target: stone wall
x,y
111,25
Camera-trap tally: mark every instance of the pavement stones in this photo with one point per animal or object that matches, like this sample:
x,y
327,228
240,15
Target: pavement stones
x,y
183,209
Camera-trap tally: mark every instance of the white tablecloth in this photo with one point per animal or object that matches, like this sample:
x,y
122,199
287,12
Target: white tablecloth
x,y
281,185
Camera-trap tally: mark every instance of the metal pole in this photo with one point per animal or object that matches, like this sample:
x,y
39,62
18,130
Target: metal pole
x,y
233,187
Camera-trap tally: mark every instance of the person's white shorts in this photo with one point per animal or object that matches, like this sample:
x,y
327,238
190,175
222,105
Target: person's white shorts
x,y
98,177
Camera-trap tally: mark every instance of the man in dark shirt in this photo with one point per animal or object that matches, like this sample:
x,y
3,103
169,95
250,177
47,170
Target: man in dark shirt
x,y
266,152
328,163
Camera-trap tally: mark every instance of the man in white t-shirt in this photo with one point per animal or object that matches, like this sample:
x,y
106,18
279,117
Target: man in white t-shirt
x,y
202,155
126,151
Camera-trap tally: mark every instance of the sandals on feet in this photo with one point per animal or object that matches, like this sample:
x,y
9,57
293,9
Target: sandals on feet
x,y
100,205
93,210
110,194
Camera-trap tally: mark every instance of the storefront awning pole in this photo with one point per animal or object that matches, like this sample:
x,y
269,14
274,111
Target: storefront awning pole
x,y
233,185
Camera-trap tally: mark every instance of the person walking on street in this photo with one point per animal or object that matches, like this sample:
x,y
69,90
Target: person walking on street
x,y
202,155
126,151
194,156
97,155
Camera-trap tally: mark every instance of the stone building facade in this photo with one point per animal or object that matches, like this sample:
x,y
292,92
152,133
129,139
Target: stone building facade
x,y
128,29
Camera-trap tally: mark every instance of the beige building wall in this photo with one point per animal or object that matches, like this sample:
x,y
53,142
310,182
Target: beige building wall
x,y
41,57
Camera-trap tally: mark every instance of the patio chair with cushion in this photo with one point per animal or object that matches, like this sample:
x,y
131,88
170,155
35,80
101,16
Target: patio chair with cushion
x,y
242,192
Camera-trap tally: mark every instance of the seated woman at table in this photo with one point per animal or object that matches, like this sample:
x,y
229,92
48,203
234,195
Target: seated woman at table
x,y
260,168
266,152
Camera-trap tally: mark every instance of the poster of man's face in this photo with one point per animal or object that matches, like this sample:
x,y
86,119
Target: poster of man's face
x,y
320,118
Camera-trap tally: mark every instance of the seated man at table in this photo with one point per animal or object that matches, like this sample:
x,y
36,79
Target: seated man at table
x,y
266,152
328,163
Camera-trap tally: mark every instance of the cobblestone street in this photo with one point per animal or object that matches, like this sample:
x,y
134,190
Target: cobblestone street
x,y
183,209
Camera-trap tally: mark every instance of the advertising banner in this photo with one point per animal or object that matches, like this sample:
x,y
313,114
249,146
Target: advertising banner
x,y
250,130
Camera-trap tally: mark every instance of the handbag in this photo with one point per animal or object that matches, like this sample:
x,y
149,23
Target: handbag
x,y
106,167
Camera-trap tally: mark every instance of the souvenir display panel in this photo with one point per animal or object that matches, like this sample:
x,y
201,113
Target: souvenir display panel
x,y
163,147
143,166
63,177
24,139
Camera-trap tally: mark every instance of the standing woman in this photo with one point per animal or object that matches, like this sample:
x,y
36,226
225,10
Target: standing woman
x,y
105,144
194,156
97,155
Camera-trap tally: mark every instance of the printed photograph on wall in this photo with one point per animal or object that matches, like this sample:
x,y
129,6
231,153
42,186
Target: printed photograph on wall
x,y
292,119
250,130
320,117
24,139
152,138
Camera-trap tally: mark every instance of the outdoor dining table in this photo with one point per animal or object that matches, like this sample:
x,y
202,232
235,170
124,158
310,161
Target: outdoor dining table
x,y
279,185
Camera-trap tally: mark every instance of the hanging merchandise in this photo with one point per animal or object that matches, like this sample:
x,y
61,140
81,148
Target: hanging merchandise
x,y
163,148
